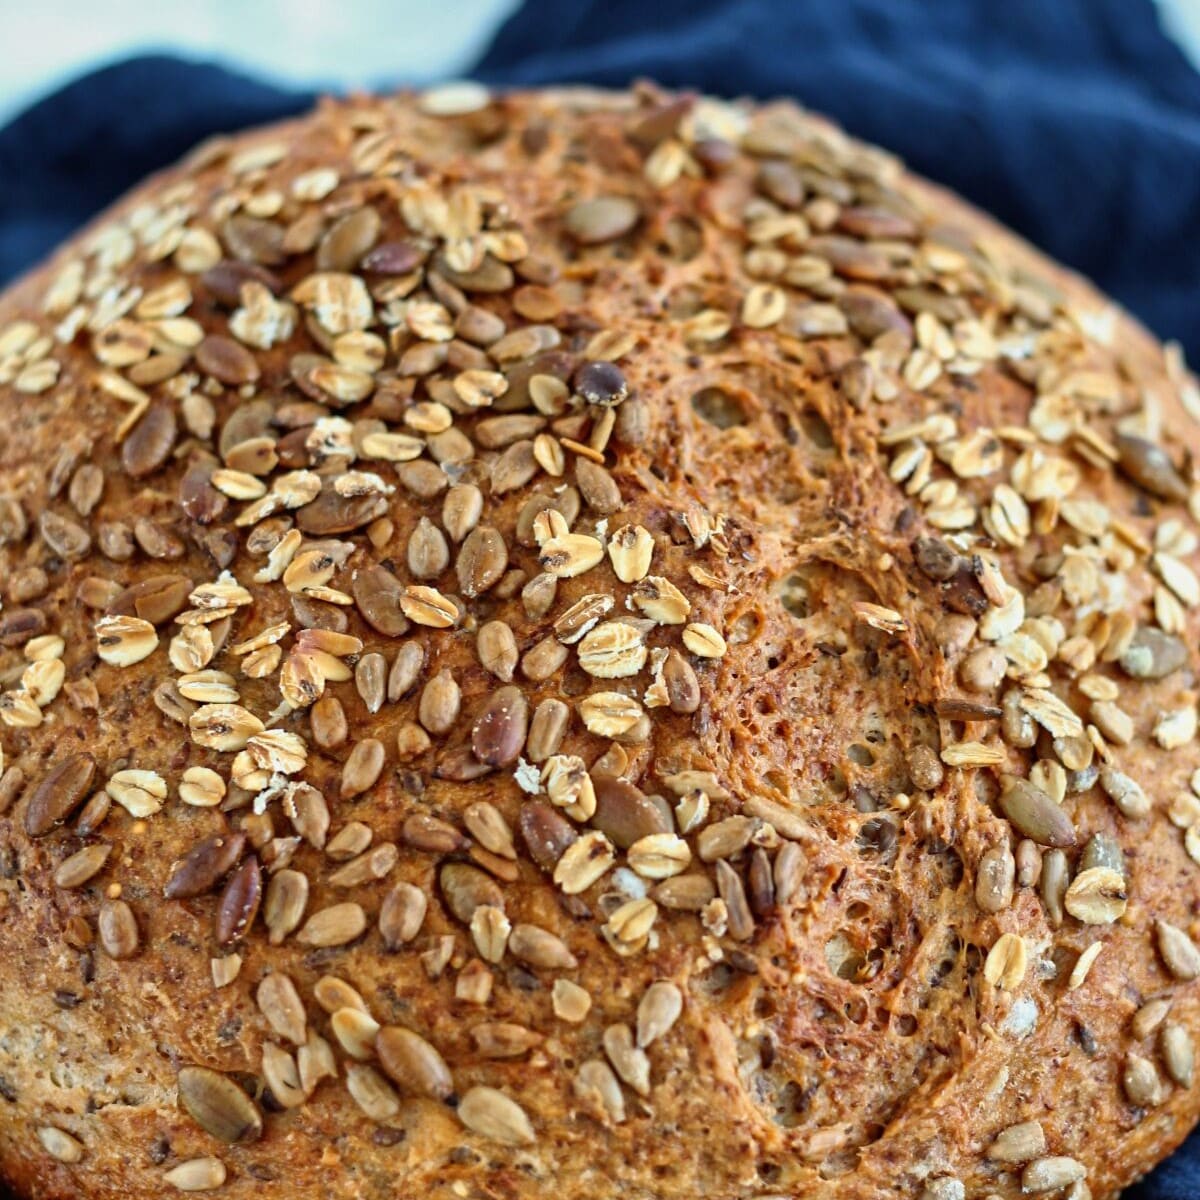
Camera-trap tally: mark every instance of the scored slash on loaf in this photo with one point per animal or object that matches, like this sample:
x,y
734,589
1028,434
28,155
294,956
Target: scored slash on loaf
x,y
589,644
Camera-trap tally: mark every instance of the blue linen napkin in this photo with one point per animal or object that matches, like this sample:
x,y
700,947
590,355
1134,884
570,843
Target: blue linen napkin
x,y
1077,122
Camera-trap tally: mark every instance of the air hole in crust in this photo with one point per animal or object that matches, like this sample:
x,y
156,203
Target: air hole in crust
x,y
793,595
877,836
844,960
816,429
718,408
745,628
905,1024
860,755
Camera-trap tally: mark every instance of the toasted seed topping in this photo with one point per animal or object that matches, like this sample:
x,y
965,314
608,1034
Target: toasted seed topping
x,y
196,1175
218,1105
389,484
491,1114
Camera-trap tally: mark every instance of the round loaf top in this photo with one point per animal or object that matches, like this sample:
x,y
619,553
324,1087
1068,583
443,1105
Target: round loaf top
x,y
583,644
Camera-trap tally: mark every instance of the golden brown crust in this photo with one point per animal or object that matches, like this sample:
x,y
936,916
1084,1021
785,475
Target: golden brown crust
x,y
872,546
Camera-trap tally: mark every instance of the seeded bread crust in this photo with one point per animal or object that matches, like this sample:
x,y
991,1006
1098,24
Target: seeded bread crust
x,y
874,532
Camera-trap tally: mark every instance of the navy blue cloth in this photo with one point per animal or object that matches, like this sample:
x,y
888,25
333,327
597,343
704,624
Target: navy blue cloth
x,y
1074,121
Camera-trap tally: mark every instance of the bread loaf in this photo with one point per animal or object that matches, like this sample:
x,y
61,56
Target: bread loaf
x,y
582,645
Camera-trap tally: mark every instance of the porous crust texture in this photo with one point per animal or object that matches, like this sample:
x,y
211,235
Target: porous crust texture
x,y
588,644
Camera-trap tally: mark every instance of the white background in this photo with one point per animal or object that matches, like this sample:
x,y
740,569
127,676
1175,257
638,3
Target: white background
x,y
313,43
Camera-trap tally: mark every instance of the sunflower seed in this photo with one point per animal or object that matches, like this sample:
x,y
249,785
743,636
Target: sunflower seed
x,y
658,1010
372,1092
336,925
59,793
1018,1143
1178,951
1034,814
118,929
596,1084
218,1105
60,1145
439,705
355,1031
1051,1174
540,948
284,905
465,888
363,768
196,1175
413,1063
628,1060
1141,1081
491,1114
1178,1053
81,866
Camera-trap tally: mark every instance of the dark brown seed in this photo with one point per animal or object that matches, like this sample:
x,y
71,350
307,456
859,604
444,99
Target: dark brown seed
x,y
514,468
935,559
172,703
466,888
156,599
782,182
1149,466
118,929
348,239
226,279
245,423
13,523
624,814
481,560
597,487
21,624
204,866
431,834
871,314
413,1063
254,239
59,794
394,258
601,219
1053,884
733,892
150,442
377,594
428,554
65,537
1153,654
546,832
683,686
401,915
954,709
1035,814
761,883
601,383
11,783
406,669
498,737
460,765
227,361
239,902
218,1105
198,498
334,513
994,879
327,719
